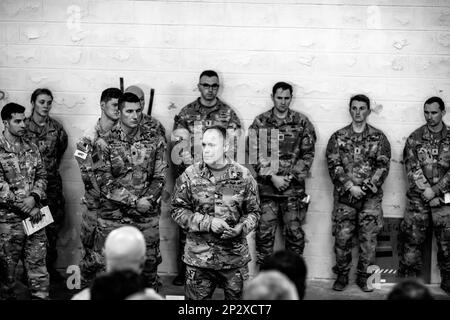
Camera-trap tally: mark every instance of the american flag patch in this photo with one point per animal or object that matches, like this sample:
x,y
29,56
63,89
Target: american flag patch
x,y
80,154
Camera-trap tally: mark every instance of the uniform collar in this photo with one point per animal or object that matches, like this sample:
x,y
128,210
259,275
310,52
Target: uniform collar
x,y
426,133
205,172
289,116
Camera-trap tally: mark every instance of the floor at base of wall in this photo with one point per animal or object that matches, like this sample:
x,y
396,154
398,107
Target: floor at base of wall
x,y
316,290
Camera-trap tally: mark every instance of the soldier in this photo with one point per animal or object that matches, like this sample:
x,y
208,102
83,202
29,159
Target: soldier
x,y
87,156
282,189
147,120
51,139
358,158
216,203
23,184
131,179
204,112
427,161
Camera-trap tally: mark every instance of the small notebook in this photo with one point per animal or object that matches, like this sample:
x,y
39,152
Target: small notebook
x,y
31,227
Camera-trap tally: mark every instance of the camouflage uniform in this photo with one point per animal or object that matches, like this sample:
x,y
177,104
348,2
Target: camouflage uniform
x,y
194,113
357,159
87,156
51,140
427,162
296,140
22,172
132,168
198,198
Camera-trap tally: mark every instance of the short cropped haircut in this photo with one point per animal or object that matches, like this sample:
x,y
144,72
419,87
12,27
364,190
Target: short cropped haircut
x,y
110,93
436,99
283,86
209,73
128,97
361,98
220,128
410,289
9,109
36,93
290,264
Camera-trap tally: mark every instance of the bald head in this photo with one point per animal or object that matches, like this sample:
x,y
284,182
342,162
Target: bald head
x,y
125,249
138,92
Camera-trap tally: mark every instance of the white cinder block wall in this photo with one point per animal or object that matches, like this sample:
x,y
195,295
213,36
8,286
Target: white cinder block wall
x,y
397,52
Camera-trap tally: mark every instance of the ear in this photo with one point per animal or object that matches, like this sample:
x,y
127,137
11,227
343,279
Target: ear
x,y
199,87
5,123
102,105
444,112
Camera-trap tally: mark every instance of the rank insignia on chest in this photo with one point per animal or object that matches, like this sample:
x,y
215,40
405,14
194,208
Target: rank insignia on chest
x,y
280,137
434,151
357,150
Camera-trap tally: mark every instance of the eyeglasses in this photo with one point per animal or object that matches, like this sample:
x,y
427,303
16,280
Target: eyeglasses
x,y
214,86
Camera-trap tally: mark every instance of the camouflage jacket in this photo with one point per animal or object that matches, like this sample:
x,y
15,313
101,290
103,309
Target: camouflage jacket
x,y
51,140
130,168
153,124
355,158
197,114
427,160
296,140
198,198
87,156
22,172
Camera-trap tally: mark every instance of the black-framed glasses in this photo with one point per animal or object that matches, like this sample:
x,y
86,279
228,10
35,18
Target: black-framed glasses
x,y
207,86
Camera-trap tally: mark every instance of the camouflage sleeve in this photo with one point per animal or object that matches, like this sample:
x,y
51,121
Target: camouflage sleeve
x,y
383,162
251,206
178,144
259,161
336,169
158,178
7,197
83,157
62,144
302,166
40,179
182,206
110,188
234,122
416,178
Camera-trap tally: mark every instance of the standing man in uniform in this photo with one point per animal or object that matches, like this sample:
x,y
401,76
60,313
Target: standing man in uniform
x,y
87,157
216,202
358,157
23,184
147,119
204,112
131,180
282,190
427,162
51,139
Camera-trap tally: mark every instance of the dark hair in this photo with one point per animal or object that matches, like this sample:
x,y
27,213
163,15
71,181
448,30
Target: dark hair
x,y
11,108
36,93
410,289
436,99
282,85
220,128
110,93
208,73
117,285
128,97
291,265
360,97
